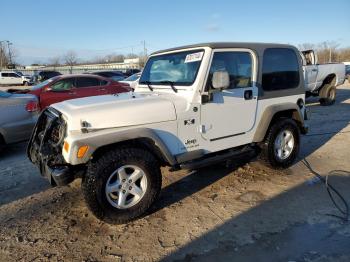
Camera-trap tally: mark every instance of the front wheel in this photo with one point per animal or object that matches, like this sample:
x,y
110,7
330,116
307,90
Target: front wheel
x,y
281,145
122,184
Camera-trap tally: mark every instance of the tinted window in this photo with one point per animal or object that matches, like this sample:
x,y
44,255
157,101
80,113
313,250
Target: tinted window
x,y
237,64
13,75
87,81
280,69
4,74
63,85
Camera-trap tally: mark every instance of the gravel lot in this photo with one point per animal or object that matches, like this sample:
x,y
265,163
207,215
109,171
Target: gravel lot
x,y
245,212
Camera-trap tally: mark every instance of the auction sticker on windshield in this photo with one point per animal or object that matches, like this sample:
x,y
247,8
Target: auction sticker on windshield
x,y
194,57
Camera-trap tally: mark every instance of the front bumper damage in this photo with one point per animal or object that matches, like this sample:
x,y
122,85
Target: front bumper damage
x,y
45,149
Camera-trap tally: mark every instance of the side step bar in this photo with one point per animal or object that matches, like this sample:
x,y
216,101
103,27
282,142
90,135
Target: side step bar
x,y
217,158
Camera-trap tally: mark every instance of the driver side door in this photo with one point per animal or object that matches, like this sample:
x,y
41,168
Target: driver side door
x,y
231,112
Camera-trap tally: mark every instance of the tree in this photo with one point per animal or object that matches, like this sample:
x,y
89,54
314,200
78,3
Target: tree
x,y
70,59
54,62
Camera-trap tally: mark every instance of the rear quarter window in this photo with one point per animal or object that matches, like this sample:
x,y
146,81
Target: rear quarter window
x,y
280,69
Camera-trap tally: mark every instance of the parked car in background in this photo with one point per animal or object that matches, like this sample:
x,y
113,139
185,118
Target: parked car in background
x,y
131,71
41,76
18,116
67,87
321,79
13,78
347,70
132,80
114,75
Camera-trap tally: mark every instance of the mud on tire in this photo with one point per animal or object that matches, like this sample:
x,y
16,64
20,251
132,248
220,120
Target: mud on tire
x,y
100,170
268,151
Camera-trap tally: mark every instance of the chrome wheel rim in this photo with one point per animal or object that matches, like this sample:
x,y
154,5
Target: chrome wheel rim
x,y
284,144
126,186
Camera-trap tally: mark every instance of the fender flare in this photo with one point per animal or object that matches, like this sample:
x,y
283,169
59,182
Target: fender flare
x,y
99,139
270,112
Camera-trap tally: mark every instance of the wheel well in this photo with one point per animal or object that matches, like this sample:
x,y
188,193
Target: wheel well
x,y
290,113
329,79
144,143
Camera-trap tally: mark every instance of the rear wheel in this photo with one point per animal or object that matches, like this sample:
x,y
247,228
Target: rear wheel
x,y
281,145
25,83
327,95
122,184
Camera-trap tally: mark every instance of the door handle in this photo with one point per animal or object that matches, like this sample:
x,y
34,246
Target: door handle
x,y
72,93
314,70
248,94
102,89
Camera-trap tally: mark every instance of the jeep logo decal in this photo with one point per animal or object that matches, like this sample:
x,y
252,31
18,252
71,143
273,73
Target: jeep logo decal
x,y
190,141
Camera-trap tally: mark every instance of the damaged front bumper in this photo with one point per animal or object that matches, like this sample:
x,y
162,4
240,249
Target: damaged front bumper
x,y
45,149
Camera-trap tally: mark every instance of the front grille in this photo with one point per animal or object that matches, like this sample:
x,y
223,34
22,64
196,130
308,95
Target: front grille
x,y
45,145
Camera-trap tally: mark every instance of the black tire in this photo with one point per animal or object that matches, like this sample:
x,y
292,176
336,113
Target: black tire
x,y
25,83
2,144
268,153
98,172
327,95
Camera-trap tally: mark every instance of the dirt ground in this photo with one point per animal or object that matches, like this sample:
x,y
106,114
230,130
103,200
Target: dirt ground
x,y
244,212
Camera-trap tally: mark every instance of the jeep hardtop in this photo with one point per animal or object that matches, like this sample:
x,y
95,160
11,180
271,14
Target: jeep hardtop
x,y
194,106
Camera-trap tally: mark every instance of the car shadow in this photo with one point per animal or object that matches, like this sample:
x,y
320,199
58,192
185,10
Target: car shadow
x,y
195,181
267,231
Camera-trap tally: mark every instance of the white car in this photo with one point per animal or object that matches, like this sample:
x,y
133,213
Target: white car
x,y
132,80
194,106
13,78
321,79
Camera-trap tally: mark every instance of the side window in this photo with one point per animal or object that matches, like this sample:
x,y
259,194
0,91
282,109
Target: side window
x,y
4,74
63,85
103,82
237,64
87,81
280,69
13,75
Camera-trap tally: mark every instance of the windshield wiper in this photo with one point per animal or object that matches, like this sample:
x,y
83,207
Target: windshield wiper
x,y
171,85
148,83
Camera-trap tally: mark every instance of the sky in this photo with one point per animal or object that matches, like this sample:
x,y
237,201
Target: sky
x,y
45,29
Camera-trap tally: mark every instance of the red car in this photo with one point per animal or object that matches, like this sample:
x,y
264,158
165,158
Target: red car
x,y
65,87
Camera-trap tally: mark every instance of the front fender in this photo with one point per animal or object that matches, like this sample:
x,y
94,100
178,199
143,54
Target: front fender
x,y
98,139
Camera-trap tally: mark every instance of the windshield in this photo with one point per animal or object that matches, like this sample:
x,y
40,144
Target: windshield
x,y
42,84
4,94
134,77
179,68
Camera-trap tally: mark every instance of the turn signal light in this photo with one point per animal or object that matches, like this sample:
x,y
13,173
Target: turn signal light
x,y
82,151
66,146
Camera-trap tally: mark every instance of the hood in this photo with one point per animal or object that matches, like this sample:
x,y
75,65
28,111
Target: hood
x,y
121,110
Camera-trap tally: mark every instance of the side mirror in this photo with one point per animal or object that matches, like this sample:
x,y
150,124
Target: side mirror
x,y
220,80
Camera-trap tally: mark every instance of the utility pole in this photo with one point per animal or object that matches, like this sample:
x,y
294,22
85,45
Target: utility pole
x,y
144,52
330,55
0,55
9,50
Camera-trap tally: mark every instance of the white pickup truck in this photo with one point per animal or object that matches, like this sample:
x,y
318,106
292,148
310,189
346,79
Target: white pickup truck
x,y
321,79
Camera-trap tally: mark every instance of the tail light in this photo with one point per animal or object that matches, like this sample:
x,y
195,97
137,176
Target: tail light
x,y
32,106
